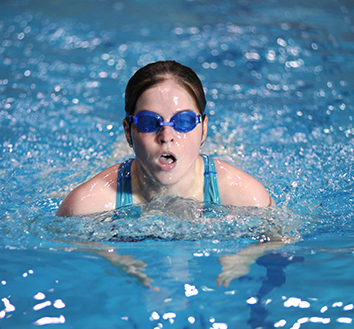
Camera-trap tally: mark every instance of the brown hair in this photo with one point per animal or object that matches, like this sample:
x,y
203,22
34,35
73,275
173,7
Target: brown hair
x,y
155,73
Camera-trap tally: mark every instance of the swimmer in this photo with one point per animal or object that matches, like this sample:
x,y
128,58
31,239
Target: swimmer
x,y
166,126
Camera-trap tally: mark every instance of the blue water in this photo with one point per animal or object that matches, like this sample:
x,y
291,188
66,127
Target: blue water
x,y
278,77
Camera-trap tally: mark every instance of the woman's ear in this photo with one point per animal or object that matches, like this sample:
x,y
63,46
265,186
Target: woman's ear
x,y
128,135
205,129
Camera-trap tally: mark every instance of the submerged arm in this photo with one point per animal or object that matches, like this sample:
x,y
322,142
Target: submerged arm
x,y
235,266
126,263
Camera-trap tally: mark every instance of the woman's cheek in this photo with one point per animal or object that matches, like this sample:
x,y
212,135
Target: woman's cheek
x,y
141,143
181,140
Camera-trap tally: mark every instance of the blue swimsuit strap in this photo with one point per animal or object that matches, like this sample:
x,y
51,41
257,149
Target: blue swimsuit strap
x,y
124,186
211,188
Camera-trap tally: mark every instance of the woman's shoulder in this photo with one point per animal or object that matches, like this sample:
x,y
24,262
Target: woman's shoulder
x,y
108,173
239,188
95,195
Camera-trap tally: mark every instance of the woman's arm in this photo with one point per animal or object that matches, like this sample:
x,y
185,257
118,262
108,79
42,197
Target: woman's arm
x,y
126,263
235,266
240,189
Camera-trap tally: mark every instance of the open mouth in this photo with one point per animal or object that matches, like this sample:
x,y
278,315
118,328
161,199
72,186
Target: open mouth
x,y
167,158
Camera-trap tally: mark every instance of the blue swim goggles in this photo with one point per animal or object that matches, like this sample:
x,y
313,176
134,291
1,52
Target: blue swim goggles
x,y
182,122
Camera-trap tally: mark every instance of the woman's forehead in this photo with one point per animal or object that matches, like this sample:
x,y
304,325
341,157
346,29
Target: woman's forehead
x,y
168,91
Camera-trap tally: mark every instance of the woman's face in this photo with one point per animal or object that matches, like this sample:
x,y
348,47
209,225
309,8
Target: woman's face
x,y
166,156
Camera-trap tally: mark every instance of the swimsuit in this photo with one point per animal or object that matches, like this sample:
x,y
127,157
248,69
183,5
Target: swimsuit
x,y
124,185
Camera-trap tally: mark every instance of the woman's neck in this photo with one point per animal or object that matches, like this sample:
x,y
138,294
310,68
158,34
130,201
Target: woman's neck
x,y
145,188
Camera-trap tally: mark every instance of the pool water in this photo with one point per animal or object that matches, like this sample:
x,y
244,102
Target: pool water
x,y
279,83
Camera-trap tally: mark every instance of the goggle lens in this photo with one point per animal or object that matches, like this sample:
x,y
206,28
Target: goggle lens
x,y
147,123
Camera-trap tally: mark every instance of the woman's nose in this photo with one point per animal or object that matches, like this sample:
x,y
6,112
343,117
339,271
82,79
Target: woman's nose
x,y
166,134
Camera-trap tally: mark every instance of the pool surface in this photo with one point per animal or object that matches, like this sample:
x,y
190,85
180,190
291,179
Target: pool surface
x,y
278,77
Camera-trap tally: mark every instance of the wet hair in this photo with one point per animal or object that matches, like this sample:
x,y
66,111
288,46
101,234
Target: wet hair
x,y
158,72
